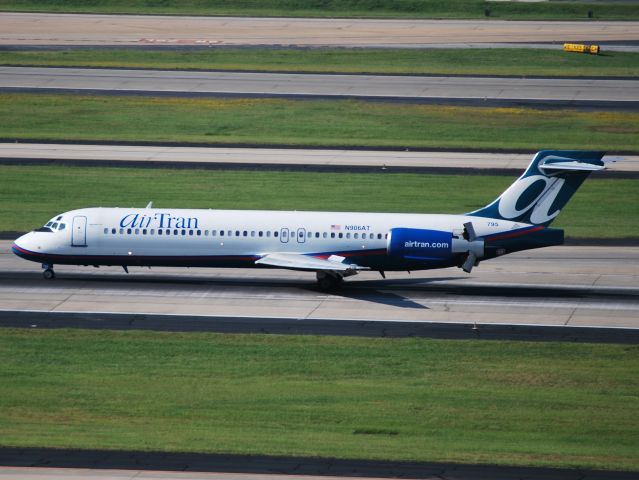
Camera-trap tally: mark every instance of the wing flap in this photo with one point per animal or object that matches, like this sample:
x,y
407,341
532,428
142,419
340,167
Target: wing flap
x,y
296,261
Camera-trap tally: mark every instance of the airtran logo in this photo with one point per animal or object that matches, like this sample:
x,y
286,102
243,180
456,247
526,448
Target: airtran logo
x,y
158,220
415,244
536,192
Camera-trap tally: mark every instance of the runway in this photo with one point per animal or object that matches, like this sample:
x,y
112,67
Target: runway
x,y
314,159
116,30
575,286
476,90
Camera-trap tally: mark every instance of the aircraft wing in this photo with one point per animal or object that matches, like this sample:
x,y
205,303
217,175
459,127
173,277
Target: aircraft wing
x,y
297,261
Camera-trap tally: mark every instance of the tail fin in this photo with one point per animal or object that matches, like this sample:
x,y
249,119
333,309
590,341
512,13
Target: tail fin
x,y
548,183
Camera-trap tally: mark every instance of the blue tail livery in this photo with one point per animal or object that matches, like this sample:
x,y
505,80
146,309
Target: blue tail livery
x,y
541,192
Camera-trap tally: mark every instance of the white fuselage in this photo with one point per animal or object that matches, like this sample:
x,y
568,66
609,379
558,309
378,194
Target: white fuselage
x,y
189,237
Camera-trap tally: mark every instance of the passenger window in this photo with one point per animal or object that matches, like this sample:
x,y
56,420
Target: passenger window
x,y
348,235
386,236
113,231
168,232
332,234
144,232
121,231
275,234
259,234
213,233
340,235
229,233
183,233
221,233
106,230
245,233
268,234
379,236
237,233
128,231
152,231
191,232
324,235
355,235
159,231
199,233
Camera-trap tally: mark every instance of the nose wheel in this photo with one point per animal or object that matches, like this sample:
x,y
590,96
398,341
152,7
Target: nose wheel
x,y
48,272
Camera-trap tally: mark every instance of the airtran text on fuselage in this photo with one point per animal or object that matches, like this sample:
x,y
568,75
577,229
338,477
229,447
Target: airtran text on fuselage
x,y
158,220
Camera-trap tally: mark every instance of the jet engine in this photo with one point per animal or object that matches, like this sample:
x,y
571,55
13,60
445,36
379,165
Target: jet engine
x,y
436,245
419,244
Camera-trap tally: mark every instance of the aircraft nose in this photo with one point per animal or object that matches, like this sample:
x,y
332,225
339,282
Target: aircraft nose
x,y
21,245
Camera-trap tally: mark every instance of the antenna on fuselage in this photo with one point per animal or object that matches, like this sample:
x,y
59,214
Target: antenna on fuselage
x,y
150,204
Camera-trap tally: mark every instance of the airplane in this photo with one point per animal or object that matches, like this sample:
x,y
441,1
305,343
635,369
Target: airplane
x,y
334,245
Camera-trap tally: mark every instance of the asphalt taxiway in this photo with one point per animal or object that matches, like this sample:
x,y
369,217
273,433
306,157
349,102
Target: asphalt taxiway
x,y
36,463
584,92
558,286
120,30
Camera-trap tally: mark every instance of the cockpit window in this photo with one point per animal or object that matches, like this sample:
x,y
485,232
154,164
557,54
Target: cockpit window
x,y
55,226
48,224
59,218
62,226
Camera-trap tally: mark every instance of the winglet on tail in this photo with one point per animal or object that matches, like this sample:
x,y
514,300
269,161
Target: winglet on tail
x,y
545,187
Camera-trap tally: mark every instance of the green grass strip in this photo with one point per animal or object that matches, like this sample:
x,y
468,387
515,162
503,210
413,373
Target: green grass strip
x,y
321,122
574,10
520,62
31,195
513,403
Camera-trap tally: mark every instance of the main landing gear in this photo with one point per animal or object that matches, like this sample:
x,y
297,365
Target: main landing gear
x,y
329,281
48,272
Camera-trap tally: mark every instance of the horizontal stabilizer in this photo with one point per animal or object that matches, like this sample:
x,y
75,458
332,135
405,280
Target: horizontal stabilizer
x,y
550,168
297,261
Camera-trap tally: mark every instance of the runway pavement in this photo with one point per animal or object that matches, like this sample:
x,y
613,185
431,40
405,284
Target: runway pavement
x,y
284,158
87,29
52,464
576,286
437,89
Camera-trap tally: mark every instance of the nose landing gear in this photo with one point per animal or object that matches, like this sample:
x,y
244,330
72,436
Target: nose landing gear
x,y
48,272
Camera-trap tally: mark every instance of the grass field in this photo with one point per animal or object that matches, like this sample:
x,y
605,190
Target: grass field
x,y
322,122
572,405
31,195
521,62
575,10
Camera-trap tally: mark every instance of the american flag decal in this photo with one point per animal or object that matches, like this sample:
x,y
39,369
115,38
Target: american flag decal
x,y
336,227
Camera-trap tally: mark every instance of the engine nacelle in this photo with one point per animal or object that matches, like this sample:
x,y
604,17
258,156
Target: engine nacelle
x,y
420,244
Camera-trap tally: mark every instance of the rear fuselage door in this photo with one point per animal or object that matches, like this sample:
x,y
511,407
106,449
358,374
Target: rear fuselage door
x,y
79,232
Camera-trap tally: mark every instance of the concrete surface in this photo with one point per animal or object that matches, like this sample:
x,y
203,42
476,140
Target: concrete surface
x,y
141,155
477,89
576,286
79,29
